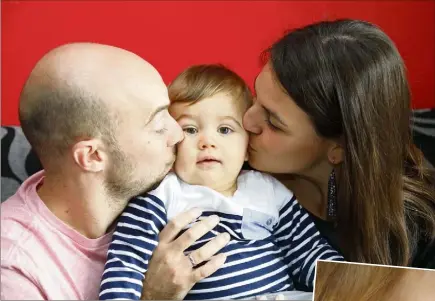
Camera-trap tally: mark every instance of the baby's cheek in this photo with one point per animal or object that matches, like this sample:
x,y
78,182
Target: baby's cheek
x,y
183,170
184,160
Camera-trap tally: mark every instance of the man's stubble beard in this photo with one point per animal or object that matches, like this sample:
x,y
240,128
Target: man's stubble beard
x,y
120,183
160,178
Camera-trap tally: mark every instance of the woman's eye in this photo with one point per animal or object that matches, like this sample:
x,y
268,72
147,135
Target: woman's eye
x,y
270,124
225,130
190,130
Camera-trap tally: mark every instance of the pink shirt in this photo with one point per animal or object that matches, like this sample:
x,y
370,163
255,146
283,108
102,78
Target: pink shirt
x,y
43,258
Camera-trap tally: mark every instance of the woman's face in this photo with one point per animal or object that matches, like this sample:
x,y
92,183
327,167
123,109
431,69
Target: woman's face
x,y
282,137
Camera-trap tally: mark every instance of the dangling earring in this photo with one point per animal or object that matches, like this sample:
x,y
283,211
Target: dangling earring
x,y
332,196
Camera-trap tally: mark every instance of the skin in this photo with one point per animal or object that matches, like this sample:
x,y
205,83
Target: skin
x,y
283,142
81,192
344,281
212,129
416,285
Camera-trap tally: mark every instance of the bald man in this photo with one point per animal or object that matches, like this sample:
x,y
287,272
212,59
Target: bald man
x,y
97,117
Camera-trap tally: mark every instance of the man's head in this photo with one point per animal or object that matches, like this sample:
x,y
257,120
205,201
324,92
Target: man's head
x,y
98,110
209,101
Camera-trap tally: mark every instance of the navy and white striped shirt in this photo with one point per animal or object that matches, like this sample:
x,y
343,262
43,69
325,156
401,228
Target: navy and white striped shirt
x,y
273,240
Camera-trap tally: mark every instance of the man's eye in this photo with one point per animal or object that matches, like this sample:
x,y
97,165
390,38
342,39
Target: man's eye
x,y
190,130
162,131
225,130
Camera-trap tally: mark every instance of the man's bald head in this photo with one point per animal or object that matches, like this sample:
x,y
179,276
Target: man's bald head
x,y
75,92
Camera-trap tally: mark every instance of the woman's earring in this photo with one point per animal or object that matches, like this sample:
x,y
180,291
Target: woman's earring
x,y
332,196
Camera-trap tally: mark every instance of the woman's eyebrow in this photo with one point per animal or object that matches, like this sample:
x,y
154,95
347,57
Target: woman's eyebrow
x,y
275,116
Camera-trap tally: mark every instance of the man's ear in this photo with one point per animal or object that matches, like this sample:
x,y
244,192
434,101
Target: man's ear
x,y
336,153
90,155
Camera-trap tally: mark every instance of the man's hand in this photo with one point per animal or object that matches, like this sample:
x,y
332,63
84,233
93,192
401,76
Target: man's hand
x,y
170,273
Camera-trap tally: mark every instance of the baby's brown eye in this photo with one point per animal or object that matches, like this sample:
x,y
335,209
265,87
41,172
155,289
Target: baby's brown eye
x,y
190,130
225,130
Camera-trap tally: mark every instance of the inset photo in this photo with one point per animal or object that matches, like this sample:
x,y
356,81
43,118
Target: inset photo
x,y
338,281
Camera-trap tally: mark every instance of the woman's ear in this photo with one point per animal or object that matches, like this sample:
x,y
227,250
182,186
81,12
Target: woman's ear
x,y
336,153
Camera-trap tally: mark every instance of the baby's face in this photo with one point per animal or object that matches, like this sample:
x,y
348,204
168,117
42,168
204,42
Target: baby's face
x,y
215,142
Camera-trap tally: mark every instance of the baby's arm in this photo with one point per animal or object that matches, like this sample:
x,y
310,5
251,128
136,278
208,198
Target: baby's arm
x,y
134,240
299,239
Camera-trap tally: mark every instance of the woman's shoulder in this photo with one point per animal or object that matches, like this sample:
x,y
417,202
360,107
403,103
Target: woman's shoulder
x,y
422,238
420,220
424,254
423,243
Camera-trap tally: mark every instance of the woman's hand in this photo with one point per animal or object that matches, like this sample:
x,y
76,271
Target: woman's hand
x,y
170,273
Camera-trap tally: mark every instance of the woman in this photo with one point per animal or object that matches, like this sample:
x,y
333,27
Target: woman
x,y
331,120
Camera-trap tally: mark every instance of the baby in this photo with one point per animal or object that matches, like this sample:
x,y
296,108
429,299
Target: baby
x,y
273,240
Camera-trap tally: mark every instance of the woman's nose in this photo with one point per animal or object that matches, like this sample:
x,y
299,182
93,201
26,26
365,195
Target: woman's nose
x,y
252,120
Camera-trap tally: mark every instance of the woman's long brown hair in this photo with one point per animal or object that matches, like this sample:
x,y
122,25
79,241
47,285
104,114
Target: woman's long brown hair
x,y
349,77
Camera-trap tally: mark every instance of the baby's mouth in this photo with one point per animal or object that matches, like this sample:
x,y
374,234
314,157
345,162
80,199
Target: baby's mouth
x,y
208,161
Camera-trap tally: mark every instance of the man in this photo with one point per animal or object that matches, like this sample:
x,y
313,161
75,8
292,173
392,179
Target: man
x,y
97,117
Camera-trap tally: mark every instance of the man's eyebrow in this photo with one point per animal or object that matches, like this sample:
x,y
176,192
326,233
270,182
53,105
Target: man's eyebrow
x,y
156,111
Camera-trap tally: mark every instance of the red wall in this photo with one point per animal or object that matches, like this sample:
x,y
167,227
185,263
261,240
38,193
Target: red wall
x,y
174,35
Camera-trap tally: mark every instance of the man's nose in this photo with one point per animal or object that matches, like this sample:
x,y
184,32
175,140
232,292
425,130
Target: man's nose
x,y
176,133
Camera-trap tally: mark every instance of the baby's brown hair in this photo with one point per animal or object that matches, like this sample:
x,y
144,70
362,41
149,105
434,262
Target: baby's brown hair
x,y
202,81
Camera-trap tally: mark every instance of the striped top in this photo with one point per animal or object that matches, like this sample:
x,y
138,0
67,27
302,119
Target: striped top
x,y
273,239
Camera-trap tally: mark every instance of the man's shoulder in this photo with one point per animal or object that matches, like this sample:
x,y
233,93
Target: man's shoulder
x,y
17,226
18,208
15,215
